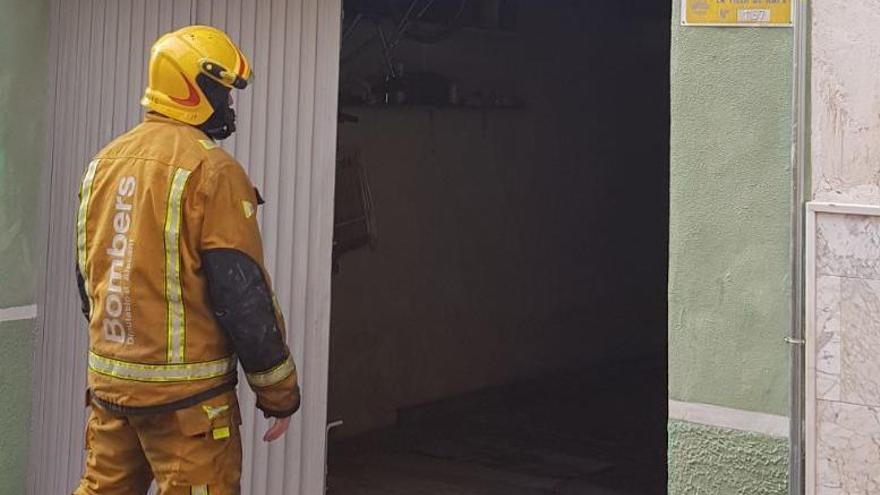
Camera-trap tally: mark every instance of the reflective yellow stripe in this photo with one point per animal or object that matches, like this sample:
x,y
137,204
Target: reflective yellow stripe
x,y
85,194
208,144
272,376
199,490
184,372
173,293
221,433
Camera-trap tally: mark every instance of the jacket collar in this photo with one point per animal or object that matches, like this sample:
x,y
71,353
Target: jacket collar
x,y
162,119
158,117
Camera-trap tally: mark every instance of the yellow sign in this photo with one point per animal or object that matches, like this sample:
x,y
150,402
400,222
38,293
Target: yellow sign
x,y
762,13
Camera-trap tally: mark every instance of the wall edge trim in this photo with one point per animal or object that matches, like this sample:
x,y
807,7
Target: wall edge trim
x,y
17,313
733,419
843,208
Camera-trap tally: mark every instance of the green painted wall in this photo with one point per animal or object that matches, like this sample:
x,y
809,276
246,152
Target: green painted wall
x,y
730,217
15,337
729,261
23,49
713,461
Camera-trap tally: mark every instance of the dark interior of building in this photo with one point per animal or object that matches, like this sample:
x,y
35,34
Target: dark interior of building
x,y
499,291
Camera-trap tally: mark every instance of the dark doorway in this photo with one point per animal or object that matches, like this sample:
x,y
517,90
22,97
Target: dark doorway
x,y
499,298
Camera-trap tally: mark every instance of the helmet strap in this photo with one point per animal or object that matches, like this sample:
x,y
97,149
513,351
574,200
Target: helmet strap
x,y
221,124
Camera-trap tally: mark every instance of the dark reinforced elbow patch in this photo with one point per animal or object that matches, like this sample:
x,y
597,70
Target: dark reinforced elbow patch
x,y
83,295
242,303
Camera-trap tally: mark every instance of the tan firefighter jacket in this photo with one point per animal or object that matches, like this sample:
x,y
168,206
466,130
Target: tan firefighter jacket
x,y
170,269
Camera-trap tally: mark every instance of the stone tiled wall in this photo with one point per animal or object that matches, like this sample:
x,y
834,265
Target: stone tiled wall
x,y
846,336
843,427
845,96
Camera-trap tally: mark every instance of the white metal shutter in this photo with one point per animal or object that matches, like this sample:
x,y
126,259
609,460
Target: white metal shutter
x,y
286,140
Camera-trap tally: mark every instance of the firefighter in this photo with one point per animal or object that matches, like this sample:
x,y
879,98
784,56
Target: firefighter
x,y
170,273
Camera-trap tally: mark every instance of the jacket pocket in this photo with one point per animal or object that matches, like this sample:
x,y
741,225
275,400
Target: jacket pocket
x,y
203,419
209,445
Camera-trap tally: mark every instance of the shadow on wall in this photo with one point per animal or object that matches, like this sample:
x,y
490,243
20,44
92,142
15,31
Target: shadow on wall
x,y
513,242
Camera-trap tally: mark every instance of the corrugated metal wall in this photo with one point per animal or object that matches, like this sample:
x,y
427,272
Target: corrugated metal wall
x,y
286,140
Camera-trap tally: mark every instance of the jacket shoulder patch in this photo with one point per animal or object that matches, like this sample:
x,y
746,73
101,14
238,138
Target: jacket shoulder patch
x,y
208,144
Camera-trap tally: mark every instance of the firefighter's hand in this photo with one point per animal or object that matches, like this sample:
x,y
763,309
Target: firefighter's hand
x,y
279,426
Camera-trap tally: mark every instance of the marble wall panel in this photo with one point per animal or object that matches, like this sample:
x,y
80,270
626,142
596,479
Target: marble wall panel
x,y
846,342
848,449
848,246
828,293
860,342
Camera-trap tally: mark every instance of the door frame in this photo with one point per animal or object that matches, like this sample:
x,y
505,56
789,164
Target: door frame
x,y
316,351
800,271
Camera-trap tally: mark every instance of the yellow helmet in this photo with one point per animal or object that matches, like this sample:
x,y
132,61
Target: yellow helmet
x,y
183,65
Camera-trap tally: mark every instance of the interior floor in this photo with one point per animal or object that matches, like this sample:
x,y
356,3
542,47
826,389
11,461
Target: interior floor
x,y
596,431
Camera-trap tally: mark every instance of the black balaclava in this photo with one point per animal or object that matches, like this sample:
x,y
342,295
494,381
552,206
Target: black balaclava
x,y
221,124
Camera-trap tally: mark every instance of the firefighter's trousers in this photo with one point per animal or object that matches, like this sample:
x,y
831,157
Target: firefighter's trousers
x,y
191,451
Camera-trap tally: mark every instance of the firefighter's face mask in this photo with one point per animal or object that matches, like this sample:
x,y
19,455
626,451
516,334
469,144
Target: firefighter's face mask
x,y
221,124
